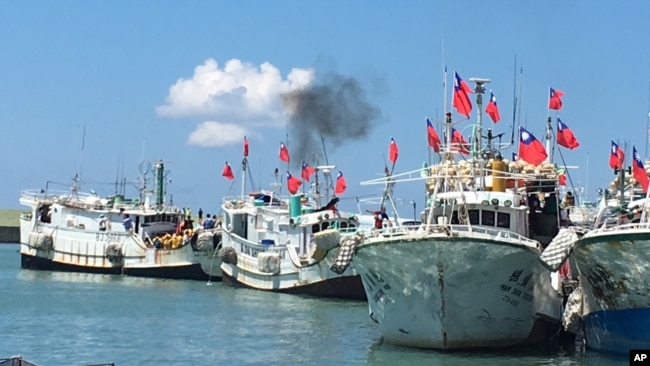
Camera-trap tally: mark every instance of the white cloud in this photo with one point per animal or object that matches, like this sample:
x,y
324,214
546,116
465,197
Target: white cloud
x,y
216,134
239,95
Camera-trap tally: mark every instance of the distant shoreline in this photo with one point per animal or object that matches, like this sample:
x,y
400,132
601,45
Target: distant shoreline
x,y
10,217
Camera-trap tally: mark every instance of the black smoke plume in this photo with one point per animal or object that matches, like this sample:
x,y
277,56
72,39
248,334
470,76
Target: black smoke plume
x,y
335,109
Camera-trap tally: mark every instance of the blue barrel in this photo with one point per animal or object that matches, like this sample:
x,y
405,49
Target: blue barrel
x,y
295,206
268,242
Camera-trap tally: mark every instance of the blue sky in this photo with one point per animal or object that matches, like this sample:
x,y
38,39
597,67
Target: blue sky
x,y
184,81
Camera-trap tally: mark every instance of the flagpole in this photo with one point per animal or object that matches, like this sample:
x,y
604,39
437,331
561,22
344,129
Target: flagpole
x,y
514,102
647,125
586,180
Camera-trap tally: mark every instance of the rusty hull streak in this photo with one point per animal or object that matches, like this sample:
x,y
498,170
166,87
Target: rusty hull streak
x,y
441,286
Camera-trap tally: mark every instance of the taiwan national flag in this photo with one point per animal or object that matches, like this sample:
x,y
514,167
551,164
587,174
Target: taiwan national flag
x,y
307,171
531,149
341,184
462,146
639,171
284,152
293,183
460,99
393,151
434,139
492,109
565,136
245,146
227,172
616,157
554,101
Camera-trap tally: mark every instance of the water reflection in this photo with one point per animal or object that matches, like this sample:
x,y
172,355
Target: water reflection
x,y
382,353
80,277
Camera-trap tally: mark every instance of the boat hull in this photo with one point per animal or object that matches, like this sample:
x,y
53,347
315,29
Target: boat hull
x,y
454,293
347,287
186,272
289,272
614,272
64,249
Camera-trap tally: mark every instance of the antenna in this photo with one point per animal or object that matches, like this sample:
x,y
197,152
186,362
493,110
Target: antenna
x,y
514,102
81,163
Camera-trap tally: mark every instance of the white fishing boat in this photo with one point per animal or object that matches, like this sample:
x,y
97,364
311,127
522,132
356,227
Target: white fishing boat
x,y
287,244
70,230
611,306
469,275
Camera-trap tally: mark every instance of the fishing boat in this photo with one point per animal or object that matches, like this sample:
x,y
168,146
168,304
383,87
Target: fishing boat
x,y
611,305
469,275
72,230
287,243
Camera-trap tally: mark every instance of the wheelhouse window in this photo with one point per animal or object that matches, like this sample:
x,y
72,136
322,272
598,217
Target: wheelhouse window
x,y
487,218
503,220
473,216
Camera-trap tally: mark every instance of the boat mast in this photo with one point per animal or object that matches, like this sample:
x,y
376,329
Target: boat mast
x,y
244,165
159,166
548,137
479,89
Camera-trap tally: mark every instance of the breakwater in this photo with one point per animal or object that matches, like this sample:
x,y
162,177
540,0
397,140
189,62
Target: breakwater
x,y
10,225
9,234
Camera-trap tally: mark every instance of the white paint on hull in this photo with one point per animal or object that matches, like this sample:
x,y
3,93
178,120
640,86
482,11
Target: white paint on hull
x,y
614,269
460,293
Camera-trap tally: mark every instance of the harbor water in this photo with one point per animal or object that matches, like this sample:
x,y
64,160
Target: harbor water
x,y
55,318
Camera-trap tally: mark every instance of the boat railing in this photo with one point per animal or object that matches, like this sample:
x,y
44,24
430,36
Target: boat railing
x,y
88,201
622,227
496,233
236,202
450,229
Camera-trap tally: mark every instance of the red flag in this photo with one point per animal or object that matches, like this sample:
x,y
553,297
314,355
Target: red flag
x,y
307,171
393,151
565,136
616,157
554,101
492,109
341,184
284,152
530,149
293,183
245,146
227,172
561,179
461,98
639,171
462,146
434,139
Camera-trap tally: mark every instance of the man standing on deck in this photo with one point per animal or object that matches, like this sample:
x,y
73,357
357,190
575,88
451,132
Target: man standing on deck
x,y
127,222
380,216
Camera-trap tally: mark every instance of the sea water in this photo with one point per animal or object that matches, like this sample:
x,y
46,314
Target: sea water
x,y
58,318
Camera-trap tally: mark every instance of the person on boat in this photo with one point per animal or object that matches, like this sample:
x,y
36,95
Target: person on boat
x,y
127,222
550,204
188,223
569,200
380,216
209,222
103,222
201,215
43,215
